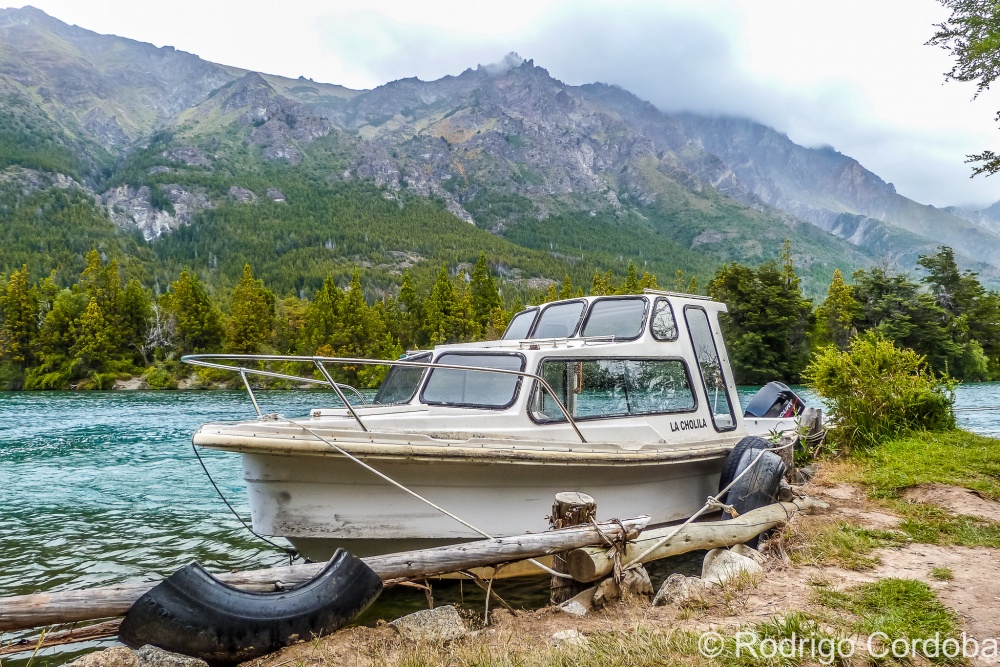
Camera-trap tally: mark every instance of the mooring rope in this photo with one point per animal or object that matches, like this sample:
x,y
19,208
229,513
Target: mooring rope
x,y
416,495
291,553
712,502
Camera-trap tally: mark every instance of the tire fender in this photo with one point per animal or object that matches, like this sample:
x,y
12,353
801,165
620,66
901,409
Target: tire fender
x,y
193,613
758,487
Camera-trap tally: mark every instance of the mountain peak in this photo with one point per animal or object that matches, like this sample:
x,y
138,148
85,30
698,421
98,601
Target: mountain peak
x,y
507,63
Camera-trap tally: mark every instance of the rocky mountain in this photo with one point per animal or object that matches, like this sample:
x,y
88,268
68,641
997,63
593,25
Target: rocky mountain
x,y
171,146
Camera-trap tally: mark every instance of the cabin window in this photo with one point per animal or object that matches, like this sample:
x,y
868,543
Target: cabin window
x,y
599,388
710,366
621,318
401,382
559,320
520,326
663,325
474,389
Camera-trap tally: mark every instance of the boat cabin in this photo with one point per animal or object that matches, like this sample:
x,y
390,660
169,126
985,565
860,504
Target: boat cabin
x,y
649,368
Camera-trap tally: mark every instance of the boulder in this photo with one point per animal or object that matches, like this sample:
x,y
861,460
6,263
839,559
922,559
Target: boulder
x,y
439,624
118,656
749,552
568,638
678,590
721,565
152,656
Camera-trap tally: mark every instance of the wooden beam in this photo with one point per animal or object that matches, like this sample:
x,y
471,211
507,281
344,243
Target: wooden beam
x,y
41,609
590,564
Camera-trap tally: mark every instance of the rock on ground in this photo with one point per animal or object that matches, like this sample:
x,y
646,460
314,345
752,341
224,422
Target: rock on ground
x,y
679,589
440,624
151,656
721,565
118,656
147,656
568,638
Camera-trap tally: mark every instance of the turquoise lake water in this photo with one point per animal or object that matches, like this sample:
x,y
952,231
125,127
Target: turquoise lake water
x,y
103,487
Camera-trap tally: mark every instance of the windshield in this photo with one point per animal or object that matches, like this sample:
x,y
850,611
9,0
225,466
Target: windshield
x,y
401,382
559,320
474,389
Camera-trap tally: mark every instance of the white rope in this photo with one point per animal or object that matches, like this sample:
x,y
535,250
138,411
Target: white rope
x,y
416,495
712,502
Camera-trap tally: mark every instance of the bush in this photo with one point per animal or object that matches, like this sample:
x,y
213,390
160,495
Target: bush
x,y
878,391
158,377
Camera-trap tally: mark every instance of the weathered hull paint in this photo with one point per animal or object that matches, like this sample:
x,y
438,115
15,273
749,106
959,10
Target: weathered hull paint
x,y
320,503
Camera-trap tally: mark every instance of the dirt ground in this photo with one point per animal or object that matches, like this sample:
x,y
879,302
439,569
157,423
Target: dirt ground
x,y
973,593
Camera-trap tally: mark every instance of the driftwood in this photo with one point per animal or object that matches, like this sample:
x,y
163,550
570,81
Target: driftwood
x,y
85,633
41,609
590,564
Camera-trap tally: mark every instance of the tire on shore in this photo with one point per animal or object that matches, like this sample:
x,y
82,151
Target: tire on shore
x,y
193,613
758,487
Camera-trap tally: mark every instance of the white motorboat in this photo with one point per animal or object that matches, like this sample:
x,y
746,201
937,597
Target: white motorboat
x,y
629,399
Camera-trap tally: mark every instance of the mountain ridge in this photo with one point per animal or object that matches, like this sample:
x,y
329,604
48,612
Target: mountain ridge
x,y
164,140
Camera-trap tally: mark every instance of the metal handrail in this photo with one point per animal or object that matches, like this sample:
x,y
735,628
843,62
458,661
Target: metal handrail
x,y
204,360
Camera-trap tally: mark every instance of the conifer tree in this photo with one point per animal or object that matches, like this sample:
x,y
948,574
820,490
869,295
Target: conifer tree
x,y
631,283
251,320
19,328
322,318
438,309
196,319
136,313
835,316
485,297
409,330
93,343
566,290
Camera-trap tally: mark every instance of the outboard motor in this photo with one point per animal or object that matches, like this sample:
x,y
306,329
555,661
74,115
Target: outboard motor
x,y
774,400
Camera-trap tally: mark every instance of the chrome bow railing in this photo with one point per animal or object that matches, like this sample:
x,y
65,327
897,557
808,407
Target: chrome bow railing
x,y
210,361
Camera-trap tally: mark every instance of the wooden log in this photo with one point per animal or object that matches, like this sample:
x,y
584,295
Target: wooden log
x,y
86,633
32,611
590,564
570,508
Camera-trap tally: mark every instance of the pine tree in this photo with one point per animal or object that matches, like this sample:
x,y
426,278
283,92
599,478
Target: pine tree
x,y
566,290
835,316
438,309
485,297
196,319
409,331
93,343
19,310
322,318
136,315
251,320
631,284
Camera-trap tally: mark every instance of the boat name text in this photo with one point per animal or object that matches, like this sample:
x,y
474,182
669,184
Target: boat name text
x,y
687,425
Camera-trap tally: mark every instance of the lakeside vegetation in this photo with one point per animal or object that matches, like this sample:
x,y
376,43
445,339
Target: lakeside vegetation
x,y
101,327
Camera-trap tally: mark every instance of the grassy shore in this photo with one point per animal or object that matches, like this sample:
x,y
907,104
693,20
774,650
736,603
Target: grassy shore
x,y
827,579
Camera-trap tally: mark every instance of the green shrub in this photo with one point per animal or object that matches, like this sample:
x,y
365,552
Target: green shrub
x,y
878,391
158,377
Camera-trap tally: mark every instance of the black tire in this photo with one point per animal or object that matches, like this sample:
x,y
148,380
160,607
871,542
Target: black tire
x,y
731,467
193,613
758,488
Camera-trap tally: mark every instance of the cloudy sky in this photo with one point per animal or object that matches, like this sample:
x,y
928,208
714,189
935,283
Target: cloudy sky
x,y
853,74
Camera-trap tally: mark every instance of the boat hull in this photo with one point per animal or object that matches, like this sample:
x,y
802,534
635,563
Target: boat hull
x,y
321,503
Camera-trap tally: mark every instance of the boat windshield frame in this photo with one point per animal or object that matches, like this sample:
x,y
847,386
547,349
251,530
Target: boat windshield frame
x,y
684,365
515,394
